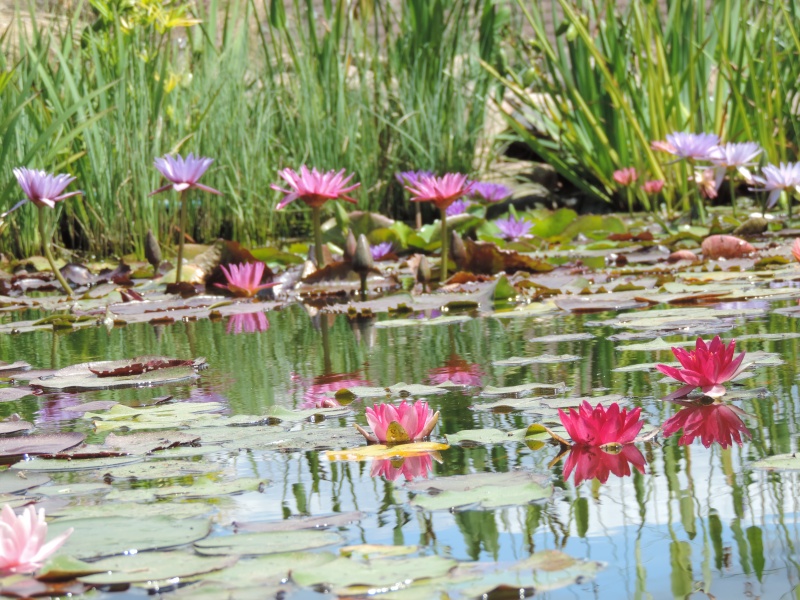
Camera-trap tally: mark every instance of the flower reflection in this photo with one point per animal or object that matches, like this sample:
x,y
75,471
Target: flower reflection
x,y
458,371
316,395
589,462
247,323
409,467
714,422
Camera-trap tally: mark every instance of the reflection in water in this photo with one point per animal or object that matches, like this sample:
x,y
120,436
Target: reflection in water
x,y
712,423
409,467
247,323
590,462
317,394
458,371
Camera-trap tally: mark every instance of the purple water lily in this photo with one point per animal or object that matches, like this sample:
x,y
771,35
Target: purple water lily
x,y
490,192
693,146
776,179
512,228
183,173
733,156
459,207
411,178
381,251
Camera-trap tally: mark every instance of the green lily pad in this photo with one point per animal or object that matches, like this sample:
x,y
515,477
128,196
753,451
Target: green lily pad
x,y
74,489
779,462
157,469
84,464
186,452
446,320
524,388
14,481
271,542
291,416
481,490
83,377
115,507
153,567
541,359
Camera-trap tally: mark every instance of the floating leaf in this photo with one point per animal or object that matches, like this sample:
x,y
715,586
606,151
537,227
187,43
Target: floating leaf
x,y
49,443
153,567
9,394
566,337
270,542
88,464
447,320
779,462
541,359
157,469
524,388
144,443
9,427
82,378
379,451
487,491
320,522
12,482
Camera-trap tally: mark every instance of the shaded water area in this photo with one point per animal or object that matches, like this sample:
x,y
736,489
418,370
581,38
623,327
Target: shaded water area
x,y
699,522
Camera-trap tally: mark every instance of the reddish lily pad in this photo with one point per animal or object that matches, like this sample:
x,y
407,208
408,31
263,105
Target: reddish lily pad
x,y
49,443
9,394
9,427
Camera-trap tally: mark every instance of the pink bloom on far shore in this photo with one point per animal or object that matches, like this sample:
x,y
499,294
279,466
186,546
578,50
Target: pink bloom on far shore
x,y
183,173
600,427
247,323
595,463
796,249
22,541
712,423
244,279
314,187
442,191
708,366
410,467
43,189
403,423
625,177
653,187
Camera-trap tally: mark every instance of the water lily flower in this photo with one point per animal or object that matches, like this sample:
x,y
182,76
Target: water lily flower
x,y
588,462
409,467
786,176
403,423
315,188
692,146
708,181
653,186
244,279
411,177
601,427
513,228
796,249
22,541
247,323
183,174
457,371
625,177
442,191
490,192
708,366
459,207
712,423
381,251
44,190
737,156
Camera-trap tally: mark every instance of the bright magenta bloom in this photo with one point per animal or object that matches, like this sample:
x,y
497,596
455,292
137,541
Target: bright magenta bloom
x,y
43,189
712,423
708,366
653,187
315,188
625,177
600,427
22,545
244,279
183,173
442,191
403,423
409,467
594,463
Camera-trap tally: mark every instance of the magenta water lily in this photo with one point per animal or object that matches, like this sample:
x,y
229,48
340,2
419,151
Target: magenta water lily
x,y
44,190
403,423
708,366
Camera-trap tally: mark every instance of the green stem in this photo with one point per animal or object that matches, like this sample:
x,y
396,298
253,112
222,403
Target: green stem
x,y
181,239
732,184
445,245
46,247
315,220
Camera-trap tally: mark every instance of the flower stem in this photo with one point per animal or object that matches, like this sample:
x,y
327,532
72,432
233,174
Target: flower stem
x,y
445,245
182,238
46,247
732,185
417,216
315,220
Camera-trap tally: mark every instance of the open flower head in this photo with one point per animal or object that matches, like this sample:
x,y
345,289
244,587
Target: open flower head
x,y
653,186
244,279
459,207
601,427
184,173
708,366
693,146
709,180
381,251
625,177
314,187
442,191
712,423
589,463
403,423
22,541
44,189
490,192
774,180
411,177
735,156
513,228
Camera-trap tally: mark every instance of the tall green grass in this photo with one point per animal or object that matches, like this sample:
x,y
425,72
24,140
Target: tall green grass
x,y
614,79
363,86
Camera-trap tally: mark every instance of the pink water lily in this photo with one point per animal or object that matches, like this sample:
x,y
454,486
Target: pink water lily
x,y
403,423
22,541
183,173
785,176
708,366
653,186
600,426
314,187
244,279
625,177
442,191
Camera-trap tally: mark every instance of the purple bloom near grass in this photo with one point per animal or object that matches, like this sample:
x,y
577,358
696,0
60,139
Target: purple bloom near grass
x,y
411,177
381,251
512,228
490,192
786,176
459,207
693,146
734,156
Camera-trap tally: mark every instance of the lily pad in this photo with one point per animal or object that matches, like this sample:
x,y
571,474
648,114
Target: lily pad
x,y
448,320
157,469
565,337
153,566
524,388
779,462
379,451
10,394
50,443
541,359
9,427
15,481
88,464
271,542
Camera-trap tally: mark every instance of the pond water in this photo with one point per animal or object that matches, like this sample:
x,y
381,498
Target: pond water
x,y
698,522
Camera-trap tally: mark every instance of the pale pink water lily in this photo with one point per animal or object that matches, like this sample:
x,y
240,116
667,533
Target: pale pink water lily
x,y
314,187
247,323
774,180
600,426
653,186
381,251
713,423
708,181
42,188
244,279
692,146
625,177
737,156
22,541
796,249
184,173
490,192
513,228
409,467
442,191
403,423
708,366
